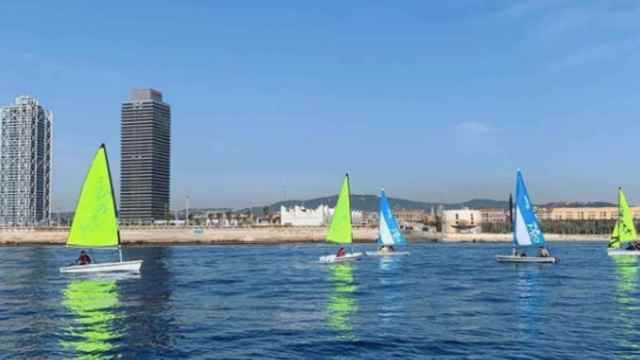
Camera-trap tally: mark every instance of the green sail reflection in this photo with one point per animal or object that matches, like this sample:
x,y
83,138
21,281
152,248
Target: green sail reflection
x,y
341,302
92,302
627,274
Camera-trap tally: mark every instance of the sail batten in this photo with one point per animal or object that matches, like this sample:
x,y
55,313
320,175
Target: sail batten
x,y
527,231
340,228
95,221
625,229
388,230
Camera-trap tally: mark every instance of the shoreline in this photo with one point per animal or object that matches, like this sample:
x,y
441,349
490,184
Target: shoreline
x,y
255,236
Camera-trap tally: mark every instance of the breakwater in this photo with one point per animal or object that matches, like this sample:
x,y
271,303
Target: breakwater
x,y
251,235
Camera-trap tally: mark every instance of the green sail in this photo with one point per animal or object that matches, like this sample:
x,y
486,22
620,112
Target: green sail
x,y
624,230
95,222
340,229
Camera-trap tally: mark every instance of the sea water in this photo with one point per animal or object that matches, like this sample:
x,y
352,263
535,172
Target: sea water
x,y
247,302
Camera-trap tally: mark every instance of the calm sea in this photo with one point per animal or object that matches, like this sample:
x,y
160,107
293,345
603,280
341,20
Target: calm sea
x,y
249,302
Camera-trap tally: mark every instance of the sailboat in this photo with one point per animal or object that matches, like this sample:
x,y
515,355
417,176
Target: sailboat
x,y
340,230
388,231
624,230
526,229
95,222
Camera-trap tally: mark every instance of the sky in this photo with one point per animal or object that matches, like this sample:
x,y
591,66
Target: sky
x,y
273,100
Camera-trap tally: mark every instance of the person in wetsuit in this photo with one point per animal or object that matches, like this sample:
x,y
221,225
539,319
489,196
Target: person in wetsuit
x,y
83,259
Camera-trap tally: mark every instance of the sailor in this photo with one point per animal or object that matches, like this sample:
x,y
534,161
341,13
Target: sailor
x,y
84,259
634,245
542,252
386,248
341,252
514,252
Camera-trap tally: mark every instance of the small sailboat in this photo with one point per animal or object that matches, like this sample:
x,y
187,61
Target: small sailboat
x,y
389,234
340,230
526,229
624,231
95,222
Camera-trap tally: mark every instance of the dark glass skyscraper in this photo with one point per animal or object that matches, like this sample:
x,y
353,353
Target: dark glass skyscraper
x,y
146,151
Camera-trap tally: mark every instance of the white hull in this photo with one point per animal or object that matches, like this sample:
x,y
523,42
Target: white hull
x,y
134,265
333,259
526,259
623,252
387,253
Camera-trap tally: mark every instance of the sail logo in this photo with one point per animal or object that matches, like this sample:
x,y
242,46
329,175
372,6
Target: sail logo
x,y
534,232
526,202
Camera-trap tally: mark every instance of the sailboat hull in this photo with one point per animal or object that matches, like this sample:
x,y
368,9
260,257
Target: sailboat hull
x,y
387,253
334,259
526,259
623,252
133,266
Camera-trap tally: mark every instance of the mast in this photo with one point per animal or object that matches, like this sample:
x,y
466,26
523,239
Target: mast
x,y
113,197
511,212
350,216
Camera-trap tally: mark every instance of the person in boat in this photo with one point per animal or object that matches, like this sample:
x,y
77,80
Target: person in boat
x,y
386,248
524,254
84,258
341,252
514,252
634,245
542,252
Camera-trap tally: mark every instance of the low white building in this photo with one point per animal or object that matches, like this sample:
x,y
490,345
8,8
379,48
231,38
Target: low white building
x,y
321,216
301,216
461,221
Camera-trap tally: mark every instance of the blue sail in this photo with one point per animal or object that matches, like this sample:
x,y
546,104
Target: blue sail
x,y
526,230
388,231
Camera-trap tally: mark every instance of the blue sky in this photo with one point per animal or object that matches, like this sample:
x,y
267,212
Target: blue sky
x,y
433,100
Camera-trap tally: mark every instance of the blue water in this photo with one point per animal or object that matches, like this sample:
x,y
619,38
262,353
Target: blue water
x,y
243,302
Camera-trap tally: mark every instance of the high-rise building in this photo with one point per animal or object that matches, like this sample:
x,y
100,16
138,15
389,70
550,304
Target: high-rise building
x,y
25,163
145,164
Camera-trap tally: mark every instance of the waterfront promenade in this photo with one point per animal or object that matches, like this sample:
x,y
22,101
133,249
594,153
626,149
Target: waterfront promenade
x,y
250,235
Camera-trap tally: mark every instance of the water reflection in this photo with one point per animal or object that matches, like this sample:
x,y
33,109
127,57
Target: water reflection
x,y
341,301
392,304
150,332
627,274
530,300
389,263
92,302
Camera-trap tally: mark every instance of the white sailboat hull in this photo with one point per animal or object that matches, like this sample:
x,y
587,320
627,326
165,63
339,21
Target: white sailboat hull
x,y
620,252
387,253
133,266
526,259
334,259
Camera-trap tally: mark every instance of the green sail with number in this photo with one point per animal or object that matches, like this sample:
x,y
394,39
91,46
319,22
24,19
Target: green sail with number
x,y
625,229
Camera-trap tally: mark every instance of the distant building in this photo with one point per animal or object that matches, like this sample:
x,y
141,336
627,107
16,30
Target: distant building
x,y
146,150
321,216
25,163
582,213
461,221
301,216
493,216
410,215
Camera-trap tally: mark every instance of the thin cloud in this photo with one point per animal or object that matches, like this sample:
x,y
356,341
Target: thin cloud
x,y
609,52
475,128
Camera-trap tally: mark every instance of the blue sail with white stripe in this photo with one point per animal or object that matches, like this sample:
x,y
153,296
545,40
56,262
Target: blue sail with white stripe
x,y
526,229
388,231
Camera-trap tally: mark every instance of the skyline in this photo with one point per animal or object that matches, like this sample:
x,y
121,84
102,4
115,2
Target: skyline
x,y
433,102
